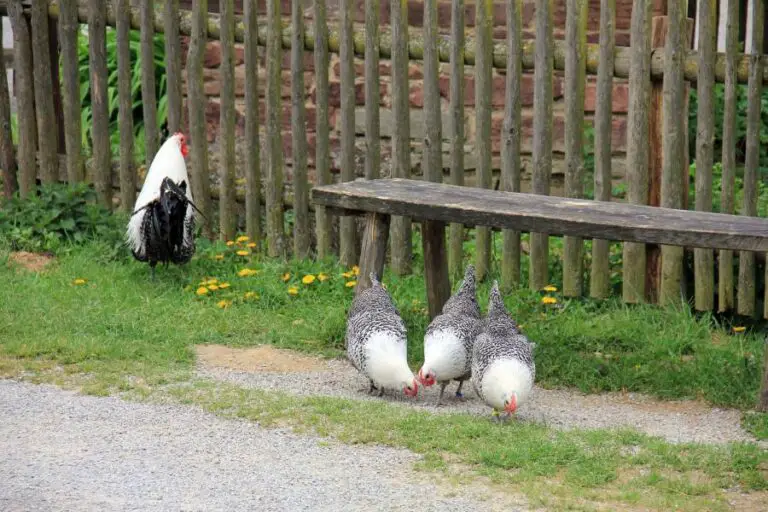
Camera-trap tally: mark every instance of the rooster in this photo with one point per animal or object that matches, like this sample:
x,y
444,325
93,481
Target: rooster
x,y
503,369
450,337
162,225
376,341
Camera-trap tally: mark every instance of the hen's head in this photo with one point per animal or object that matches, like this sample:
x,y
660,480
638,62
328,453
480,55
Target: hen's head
x,y
411,389
427,377
182,140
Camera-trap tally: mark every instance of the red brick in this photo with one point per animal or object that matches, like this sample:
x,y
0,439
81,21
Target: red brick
x,y
359,69
499,89
308,60
620,97
619,133
285,118
334,94
212,55
558,133
416,95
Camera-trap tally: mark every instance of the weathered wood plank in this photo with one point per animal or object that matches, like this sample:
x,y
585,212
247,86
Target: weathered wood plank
x,y
25,99
299,135
227,215
7,151
542,136
745,304
483,90
173,62
97,58
148,93
600,275
47,141
762,401
438,285
726,297
372,91
373,253
70,85
201,184
510,150
252,156
275,217
456,85
555,215
125,120
322,127
633,289
348,232
400,253
704,263
575,73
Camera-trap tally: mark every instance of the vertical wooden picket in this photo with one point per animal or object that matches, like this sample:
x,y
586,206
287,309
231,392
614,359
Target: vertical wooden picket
x,y
372,91
47,141
456,244
7,151
299,135
483,90
274,189
173,63
125,121
102,156
227,214
148,93
252,151
322,127
69,29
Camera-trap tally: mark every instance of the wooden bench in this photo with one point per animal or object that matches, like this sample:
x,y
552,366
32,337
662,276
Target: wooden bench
x,y
436,204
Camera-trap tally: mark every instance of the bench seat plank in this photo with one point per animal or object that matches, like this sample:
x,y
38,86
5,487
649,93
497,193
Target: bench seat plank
x,y
471,206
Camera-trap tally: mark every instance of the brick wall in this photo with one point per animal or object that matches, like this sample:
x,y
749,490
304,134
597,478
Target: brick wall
x,y
415,10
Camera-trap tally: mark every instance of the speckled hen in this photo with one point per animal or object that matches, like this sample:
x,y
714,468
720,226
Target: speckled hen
x,y
376,341
450,337
503,369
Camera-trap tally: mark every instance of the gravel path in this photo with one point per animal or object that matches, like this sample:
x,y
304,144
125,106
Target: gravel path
x,y
64,451
674,421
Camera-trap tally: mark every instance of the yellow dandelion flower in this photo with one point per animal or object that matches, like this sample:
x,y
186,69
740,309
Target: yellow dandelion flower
x,y
350,284
550,288
251,245
308,279
321,277
243,253
250,295
549,300
293,290
739,328
242,239
246,272
356,270
347,274
213,280
286,276
79,281
224,286
224,304
230,243
213,287
202,290
219,257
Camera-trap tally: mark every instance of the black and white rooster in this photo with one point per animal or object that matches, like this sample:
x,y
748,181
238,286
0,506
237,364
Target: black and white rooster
x,y
161,229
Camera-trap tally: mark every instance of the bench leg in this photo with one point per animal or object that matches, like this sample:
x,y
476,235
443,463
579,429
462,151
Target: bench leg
x,y
762,403
374,249
435,266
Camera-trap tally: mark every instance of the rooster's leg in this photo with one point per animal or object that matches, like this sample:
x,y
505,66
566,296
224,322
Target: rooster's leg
x,y
152,271
372,388
442,390
459,394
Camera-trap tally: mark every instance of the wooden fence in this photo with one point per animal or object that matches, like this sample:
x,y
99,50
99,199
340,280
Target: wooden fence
x,y
657,162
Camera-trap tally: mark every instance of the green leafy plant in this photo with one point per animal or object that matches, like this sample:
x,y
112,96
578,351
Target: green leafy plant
x,y
56,216
112,88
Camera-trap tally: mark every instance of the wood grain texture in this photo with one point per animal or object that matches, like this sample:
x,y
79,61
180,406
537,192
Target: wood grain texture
x,y
125,114
226,135
299,135
70,85
372,91
483,91
575,72
373,253
7,151
253,148
726,296
97,58
437,283
348,232
148,93
633,289
762,401
25,99
511,138
600,275
542,137
47,141
456,85
274,188
704,262
196,101
173,63
745,303
556,215
400,235
322,127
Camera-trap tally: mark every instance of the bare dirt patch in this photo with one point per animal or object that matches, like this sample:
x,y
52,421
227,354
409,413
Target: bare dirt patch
x,y
263,358
31,261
